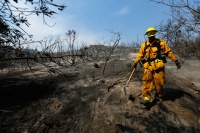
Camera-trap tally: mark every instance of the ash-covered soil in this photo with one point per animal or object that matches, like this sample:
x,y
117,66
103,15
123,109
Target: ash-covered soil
x,y
84,101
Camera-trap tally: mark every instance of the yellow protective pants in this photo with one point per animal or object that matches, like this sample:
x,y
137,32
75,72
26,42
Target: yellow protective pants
x,y
150,77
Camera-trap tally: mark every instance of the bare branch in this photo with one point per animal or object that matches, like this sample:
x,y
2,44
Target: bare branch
x,y
115,44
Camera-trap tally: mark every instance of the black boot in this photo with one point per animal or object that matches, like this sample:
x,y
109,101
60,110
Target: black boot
x,y
158,100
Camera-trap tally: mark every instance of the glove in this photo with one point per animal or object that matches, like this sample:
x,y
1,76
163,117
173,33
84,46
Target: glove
x,y
178,64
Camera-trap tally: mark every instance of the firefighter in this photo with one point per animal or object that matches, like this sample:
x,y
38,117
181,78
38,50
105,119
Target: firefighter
x,y
151,54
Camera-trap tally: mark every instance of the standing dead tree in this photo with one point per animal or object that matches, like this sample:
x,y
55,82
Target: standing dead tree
x,y
114,44
71,37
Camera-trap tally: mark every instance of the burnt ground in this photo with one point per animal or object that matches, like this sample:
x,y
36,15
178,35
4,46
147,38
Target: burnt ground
x,y
84,101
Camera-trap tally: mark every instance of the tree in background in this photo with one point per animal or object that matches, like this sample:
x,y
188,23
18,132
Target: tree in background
x,y
12,17
182,30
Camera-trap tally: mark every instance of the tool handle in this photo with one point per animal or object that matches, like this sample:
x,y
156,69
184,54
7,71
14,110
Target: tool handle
x,y
130,76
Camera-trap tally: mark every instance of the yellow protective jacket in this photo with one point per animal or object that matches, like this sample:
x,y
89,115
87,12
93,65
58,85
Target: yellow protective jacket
x,y
150,51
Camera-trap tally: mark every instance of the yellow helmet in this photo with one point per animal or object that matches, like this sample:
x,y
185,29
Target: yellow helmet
x,y
151,31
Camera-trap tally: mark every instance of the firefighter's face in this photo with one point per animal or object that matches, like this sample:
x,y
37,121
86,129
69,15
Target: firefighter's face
x,y
151,39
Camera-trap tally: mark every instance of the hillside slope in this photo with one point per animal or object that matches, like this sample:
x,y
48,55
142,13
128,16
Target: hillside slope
x,y
84,101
